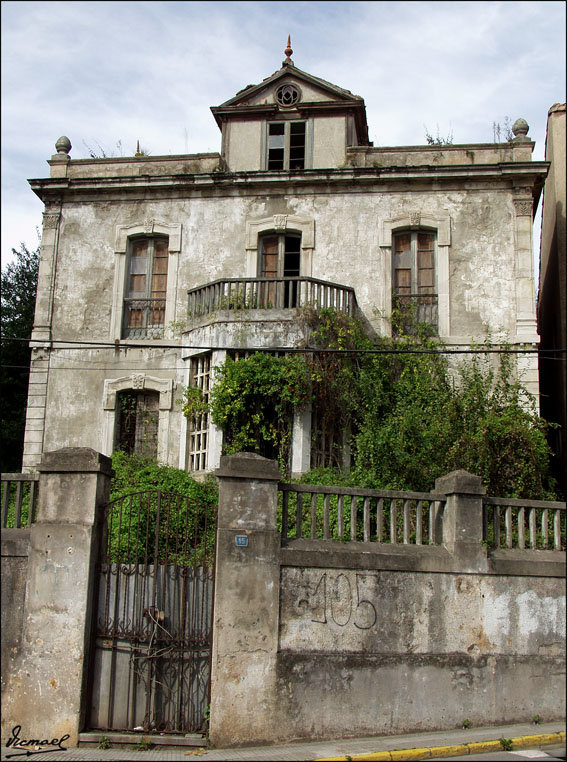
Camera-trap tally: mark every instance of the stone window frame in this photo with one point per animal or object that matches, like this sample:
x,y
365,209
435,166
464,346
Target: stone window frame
x,y
440,224
123,235
280,224
134,383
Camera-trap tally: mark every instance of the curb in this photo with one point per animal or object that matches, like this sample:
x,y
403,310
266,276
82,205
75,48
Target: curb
x,y
477,747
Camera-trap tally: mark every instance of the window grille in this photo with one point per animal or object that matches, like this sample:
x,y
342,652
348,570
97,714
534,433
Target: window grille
x,y
200,376
138,421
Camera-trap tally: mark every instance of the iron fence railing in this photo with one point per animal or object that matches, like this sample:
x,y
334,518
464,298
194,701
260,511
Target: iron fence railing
x,y
19,500
269,293
531,524
144,318
343,513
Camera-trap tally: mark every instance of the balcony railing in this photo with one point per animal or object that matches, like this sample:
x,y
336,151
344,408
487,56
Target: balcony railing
x,y
19,500
269,293
144,318
416,308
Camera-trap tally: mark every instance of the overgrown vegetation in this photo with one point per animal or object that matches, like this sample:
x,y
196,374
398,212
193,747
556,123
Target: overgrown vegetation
x,y
19,285
413,417
187,513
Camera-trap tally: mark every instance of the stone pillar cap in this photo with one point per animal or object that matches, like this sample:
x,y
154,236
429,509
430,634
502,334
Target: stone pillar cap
x,y
460,482
248,465
73,459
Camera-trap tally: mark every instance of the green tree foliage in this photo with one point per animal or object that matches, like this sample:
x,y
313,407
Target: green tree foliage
x,y
254,399
19,285
187,513
413,416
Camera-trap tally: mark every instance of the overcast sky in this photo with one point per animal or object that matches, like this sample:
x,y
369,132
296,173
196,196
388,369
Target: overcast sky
x,y
107,74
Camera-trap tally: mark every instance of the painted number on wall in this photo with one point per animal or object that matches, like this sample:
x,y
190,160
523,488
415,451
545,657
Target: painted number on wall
x,y
334,599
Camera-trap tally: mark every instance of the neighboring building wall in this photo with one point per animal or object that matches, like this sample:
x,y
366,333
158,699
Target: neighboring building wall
x,y
552,300
319,639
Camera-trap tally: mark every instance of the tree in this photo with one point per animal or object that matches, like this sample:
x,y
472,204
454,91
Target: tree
x,y
19,286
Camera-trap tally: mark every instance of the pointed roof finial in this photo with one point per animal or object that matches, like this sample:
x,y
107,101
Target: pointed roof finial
x,y
288,51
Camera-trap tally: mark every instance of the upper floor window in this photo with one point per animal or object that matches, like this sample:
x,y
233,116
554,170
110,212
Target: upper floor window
x,y
286,145
279,260
414,278
146,288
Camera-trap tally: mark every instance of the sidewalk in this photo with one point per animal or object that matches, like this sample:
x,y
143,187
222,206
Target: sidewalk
x,y
424,745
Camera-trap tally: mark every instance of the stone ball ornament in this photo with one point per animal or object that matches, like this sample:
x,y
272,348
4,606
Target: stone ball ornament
x,y
63,145
520,128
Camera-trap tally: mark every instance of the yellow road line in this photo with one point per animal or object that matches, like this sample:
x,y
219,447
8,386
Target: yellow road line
x,y
477,747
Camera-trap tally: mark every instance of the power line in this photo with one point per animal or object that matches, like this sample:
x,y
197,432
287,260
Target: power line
x,y
118,346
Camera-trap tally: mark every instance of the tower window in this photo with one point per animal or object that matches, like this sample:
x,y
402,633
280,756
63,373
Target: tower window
x,y
286,145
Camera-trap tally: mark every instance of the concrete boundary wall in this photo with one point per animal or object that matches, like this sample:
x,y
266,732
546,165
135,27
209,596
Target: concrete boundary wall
x,y
51,570
319,639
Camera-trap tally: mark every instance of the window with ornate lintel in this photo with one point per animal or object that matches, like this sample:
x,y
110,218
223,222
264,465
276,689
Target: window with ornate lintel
x,y
145,274
416,265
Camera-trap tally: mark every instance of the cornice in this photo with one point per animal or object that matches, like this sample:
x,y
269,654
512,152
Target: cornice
x,y
526,173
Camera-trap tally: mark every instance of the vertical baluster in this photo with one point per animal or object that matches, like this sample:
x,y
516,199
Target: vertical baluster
x,y
557,530
432,537
380,520
285,501
326,517
496,524
314,516
299,515
353,518
18,515
406,522
5,503
522,528
545,528
508,521
393,512
419,523
340,516
533,528
366,512
33,501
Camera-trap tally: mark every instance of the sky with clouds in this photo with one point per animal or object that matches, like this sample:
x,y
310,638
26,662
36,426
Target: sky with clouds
x,y
107,74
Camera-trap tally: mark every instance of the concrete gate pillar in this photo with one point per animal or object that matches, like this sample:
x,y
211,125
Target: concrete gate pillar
x,y
46,695
246,609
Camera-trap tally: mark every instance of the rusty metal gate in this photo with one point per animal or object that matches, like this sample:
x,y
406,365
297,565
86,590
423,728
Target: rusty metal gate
x,y
150,667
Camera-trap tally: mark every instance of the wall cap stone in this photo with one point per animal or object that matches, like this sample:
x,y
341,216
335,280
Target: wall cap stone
x,y
248,465
75,459
460,482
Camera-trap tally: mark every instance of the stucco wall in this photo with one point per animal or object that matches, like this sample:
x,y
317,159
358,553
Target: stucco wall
x,y
323,639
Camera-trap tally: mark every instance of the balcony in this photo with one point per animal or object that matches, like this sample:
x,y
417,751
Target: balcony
x,y
415,308
269,294
144,318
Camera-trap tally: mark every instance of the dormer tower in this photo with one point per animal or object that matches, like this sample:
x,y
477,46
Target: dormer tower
x,y
290,122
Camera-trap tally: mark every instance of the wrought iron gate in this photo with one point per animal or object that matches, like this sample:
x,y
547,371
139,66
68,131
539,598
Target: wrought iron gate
x,y
151,660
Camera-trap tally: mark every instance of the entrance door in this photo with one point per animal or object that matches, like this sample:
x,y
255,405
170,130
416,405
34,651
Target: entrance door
x,y
279,263
153,628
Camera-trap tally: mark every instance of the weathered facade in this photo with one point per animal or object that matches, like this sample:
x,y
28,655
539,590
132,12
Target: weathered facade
x,y
552,297
154,268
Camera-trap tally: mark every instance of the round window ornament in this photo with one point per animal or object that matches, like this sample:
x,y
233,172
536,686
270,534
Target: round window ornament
x,y
288,95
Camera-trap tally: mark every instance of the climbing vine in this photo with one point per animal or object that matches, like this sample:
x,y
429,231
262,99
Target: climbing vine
x,y
411,416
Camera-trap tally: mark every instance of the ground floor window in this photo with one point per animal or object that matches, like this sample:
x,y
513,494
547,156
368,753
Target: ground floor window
x,y
199,376
138,420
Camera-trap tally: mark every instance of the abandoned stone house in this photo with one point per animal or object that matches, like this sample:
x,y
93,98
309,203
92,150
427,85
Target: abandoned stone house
x,y
155,268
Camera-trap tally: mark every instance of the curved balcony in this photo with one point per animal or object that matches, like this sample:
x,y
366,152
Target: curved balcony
x,y
269,294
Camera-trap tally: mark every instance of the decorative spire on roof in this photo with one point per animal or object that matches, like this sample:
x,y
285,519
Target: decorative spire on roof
x,y
288,51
